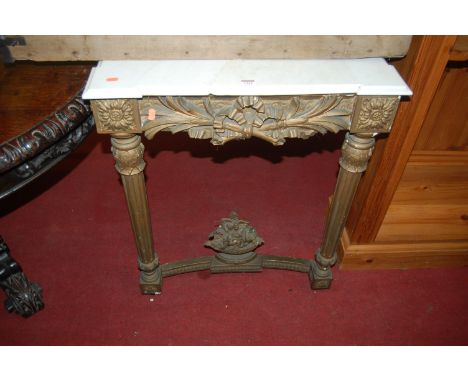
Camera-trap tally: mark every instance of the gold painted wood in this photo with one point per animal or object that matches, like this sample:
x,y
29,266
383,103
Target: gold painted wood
x,y
402,255
446,124
128,153
187,265
223,119
356,152
374,114
235,241
205,263
116,115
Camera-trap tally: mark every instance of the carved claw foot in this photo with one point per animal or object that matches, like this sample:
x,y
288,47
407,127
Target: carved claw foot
x,y
23,297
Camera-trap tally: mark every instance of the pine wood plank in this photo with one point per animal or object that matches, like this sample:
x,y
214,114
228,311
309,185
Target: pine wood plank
x,y
402,255
446,124
72,48
460,49
443,228
430,55
433,177
431,202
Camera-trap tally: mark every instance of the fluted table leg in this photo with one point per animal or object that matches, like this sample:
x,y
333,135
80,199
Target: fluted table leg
x,y
128,153
356,152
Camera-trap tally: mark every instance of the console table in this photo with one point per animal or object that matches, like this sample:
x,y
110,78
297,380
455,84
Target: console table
x,y
224,100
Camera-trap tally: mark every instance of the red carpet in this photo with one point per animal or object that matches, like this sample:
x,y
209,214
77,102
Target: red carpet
x,y
71,233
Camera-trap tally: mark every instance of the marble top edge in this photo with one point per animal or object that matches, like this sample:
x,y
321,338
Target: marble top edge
x,y
136,79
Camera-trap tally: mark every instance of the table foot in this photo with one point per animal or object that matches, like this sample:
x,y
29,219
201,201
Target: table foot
x,y
320,278
23,296
151,282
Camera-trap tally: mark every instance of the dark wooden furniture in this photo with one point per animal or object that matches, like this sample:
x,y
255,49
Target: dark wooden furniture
x,y
50,96
28,94
23,297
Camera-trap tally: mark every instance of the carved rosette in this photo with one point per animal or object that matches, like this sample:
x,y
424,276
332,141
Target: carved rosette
x,y
116,115
356,152
375,114
128,154
223,119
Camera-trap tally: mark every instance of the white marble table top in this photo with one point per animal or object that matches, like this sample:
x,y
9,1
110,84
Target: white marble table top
x,y
135,79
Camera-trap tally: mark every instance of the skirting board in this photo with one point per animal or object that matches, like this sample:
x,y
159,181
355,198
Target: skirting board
x,y
402,255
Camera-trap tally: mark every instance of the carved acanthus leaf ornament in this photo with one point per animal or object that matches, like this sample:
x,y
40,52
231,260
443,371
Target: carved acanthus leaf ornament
x,y
223,119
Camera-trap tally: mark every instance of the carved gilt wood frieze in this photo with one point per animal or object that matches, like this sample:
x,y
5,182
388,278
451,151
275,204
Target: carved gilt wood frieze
x,y
223,119
271,118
